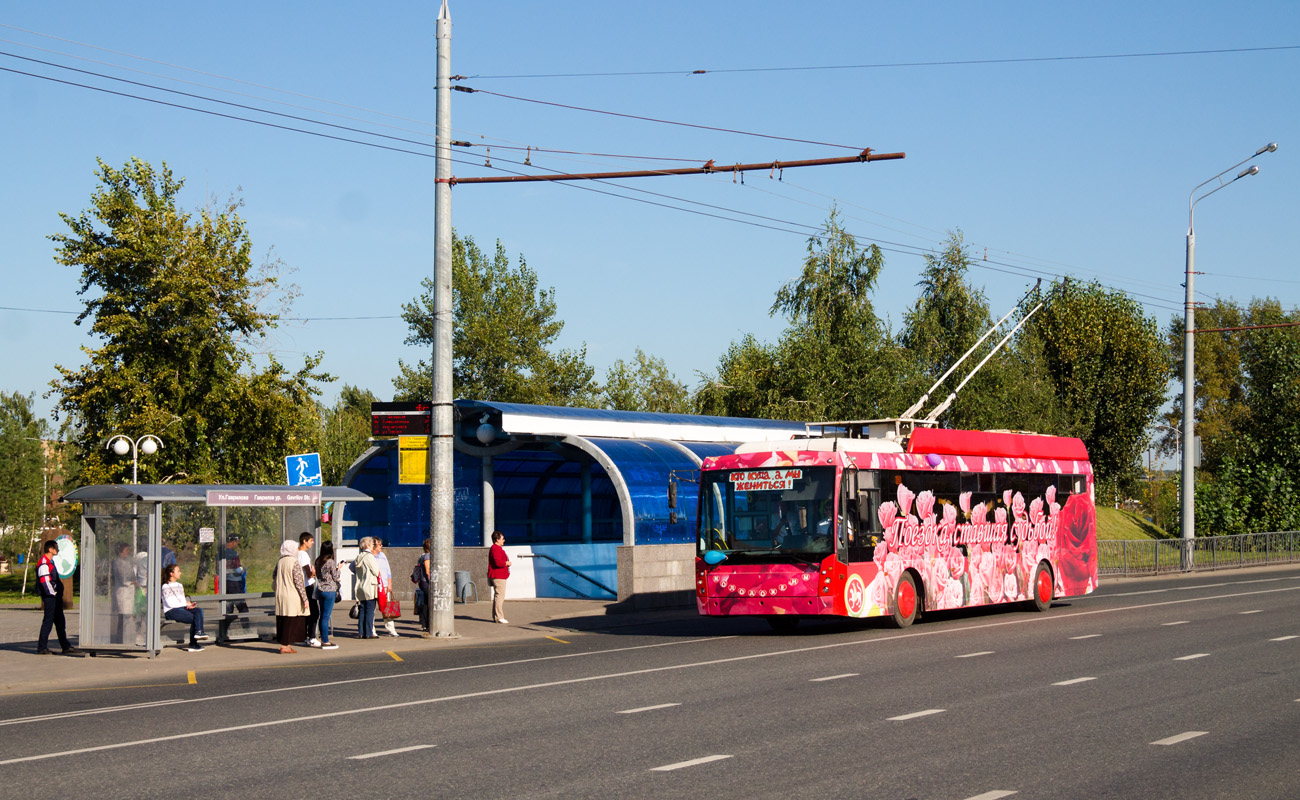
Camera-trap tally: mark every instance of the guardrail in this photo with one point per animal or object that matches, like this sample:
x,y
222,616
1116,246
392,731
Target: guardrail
x,y
1123,558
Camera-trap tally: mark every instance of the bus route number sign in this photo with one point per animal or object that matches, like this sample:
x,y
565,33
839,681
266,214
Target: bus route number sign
x,y
765,480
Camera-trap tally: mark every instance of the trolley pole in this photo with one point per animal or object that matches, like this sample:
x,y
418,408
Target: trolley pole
x,y
441,490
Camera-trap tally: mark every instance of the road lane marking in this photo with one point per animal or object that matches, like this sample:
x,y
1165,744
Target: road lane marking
x,y
1193,655
1085,636
1039,618
1134,594
1282,638
391,752
834,677
1255,611
980,653
916,714
993,795
693,762
647,708
192,678
395,656
1182,737
554,639
1198,586
1179,622
1073,681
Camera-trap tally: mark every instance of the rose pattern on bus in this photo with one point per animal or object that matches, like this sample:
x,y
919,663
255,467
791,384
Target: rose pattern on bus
x,y
963,558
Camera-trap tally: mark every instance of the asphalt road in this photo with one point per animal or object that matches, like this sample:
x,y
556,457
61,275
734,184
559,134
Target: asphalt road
x,y
1184,687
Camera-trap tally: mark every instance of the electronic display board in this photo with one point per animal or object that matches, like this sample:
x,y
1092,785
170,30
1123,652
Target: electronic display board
x,y
388,420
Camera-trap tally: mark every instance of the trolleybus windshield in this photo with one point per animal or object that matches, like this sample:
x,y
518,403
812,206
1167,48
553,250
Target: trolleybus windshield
x,y
768,512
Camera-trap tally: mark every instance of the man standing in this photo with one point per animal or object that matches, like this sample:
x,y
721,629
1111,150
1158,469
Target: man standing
x,y
51,602
236,576
305,543
498,572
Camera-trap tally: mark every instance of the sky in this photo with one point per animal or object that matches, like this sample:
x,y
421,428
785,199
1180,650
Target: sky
x,y
1060,139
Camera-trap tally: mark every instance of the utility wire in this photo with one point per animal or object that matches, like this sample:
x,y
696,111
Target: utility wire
x,y
653,119
889,65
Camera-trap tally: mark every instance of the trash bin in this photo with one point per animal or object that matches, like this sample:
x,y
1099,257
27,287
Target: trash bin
x,y
464,585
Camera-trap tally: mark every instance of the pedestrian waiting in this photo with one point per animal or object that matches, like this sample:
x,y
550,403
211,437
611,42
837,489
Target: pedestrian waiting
x,y
179,608
51,602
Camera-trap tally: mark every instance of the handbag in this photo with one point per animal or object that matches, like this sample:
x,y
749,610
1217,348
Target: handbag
x,y
355,611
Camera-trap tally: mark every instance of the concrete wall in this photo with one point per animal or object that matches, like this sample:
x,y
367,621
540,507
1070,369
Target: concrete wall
x,y
655,576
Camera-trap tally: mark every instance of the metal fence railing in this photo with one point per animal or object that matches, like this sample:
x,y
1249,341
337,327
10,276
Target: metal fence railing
x,y
1122,558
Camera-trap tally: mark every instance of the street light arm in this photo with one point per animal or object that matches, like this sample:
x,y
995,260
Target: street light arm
x,y
1192,199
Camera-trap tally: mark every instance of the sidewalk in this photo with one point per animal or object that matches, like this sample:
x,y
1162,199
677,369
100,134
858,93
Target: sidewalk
x,y
530,620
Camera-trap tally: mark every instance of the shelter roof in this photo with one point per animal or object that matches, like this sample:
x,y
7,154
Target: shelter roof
x,y
193,492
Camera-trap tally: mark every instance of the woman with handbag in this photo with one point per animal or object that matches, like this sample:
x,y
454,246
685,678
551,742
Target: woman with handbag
x,y
389,608
366,570
327,591
290,599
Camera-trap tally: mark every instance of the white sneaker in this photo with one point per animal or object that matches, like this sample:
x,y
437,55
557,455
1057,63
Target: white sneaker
x,y
194,648
313,642
329,646
504,621
202,637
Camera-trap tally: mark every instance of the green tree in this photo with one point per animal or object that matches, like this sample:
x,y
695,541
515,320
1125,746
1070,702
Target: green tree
x,y
1251,437
836,360
644,385
1107,364
174,300
503,336
22,467
342,432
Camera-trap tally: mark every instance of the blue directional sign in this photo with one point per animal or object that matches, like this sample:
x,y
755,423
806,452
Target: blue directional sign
x,y
303,469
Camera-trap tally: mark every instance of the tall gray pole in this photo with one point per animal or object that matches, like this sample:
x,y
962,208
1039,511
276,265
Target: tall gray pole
x,y
1189,353
1189,400
441,489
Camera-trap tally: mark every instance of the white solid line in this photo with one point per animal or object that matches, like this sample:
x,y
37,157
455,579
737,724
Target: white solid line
x,y
691,763
1282,638
1073,681
1193,655
981,653
1179,622
834,677
1182,737
993,795
392,752
1256,611
916,714
647,708
1086,636
1133,594
588,679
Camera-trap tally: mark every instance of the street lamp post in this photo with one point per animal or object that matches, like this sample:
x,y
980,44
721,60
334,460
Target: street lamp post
x,y
122,444
1189,352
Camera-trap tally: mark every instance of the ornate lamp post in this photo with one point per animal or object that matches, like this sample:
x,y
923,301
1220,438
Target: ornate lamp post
x,y
122,444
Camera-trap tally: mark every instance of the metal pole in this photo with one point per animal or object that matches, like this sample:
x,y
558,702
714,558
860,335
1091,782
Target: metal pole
x,y
441,488
1189,400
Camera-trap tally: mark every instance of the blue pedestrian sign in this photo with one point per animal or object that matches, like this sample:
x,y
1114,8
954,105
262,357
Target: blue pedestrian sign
x,y
303,469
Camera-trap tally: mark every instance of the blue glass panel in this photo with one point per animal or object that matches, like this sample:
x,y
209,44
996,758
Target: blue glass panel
x,y
645,467
708,449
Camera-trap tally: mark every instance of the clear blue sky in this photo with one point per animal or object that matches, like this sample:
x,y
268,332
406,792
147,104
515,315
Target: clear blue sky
x,y
1078,166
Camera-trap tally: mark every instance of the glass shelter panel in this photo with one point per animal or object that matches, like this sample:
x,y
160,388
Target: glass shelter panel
x,y
117,595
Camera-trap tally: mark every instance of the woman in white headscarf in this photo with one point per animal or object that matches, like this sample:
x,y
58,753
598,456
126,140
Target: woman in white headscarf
x,y
290,599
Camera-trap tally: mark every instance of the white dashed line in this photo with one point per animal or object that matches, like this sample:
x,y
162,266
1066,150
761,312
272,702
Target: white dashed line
x,y
683,764
1255,611
1282,638
980,653
1086,636
1073,681
1179,622
916,714
993,795
647,708
1182,737
834,677
392,752
1193,655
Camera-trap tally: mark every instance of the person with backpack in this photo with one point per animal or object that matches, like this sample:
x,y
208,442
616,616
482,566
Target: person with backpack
x,y
420,577
47,576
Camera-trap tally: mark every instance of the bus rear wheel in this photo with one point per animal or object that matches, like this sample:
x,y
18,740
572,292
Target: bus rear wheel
x,y
1040,587
783,623
905,601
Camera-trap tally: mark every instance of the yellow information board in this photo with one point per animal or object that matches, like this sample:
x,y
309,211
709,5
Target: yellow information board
x,y
412,459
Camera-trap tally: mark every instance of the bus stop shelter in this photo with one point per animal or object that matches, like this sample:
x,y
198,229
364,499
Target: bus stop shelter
x,y
226,540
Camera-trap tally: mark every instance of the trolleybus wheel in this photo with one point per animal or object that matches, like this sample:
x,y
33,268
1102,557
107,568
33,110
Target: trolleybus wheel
x,y
905,601
783,623
1040,587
